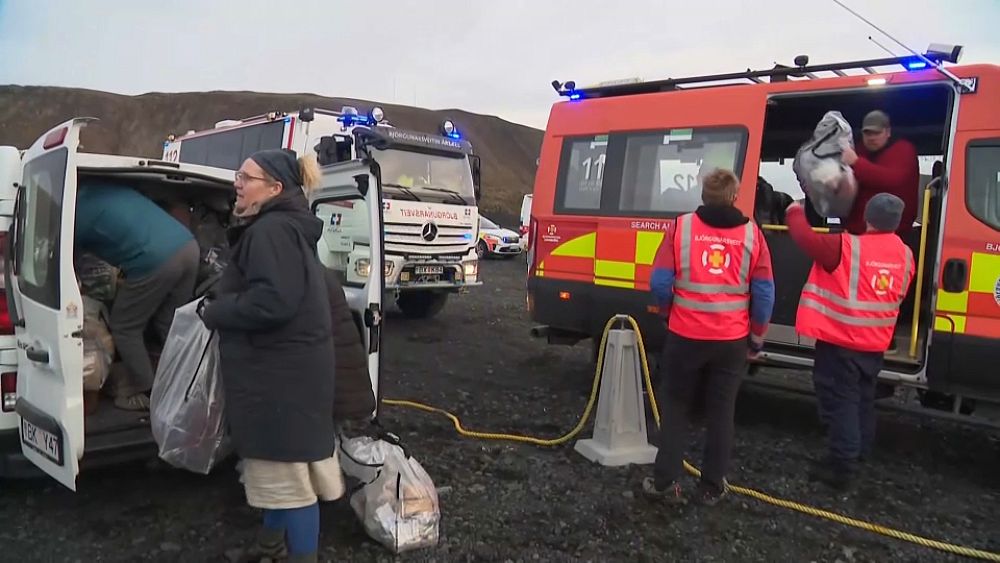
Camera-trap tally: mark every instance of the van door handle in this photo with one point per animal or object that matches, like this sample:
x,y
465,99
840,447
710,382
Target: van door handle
x,y
954,275
373,320
35,355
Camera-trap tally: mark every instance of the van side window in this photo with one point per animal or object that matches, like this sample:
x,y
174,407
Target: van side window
x,y
230,148
663,170
982,181
40,217
581,173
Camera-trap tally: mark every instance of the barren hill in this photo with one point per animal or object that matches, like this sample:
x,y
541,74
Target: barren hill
x,y
138,125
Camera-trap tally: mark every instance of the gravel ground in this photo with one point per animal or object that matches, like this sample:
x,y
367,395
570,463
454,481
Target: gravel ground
x,y
503,501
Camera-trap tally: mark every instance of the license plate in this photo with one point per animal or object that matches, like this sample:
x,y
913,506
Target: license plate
x,y
422,270
43,442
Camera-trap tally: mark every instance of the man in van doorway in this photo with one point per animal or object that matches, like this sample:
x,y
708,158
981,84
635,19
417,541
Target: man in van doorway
x,y
849,305
883,164
159,257
713,283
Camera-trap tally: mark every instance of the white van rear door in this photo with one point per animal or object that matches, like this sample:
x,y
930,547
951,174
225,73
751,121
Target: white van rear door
x,y
349,201
50,320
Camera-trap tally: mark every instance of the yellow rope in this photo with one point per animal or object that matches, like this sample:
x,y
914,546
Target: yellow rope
x,y
752,493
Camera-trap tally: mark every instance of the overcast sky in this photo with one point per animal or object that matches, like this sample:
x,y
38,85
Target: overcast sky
x,y
495,57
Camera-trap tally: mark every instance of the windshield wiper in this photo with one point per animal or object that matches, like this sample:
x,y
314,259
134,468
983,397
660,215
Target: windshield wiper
x,y
403,189
452,193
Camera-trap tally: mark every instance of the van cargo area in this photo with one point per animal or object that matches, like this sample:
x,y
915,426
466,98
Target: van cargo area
x,y
200,204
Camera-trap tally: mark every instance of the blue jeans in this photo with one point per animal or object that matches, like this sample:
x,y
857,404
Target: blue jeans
x,y
845,391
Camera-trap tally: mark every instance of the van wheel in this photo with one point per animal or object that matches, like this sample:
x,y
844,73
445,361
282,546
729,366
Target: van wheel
x,y
421,304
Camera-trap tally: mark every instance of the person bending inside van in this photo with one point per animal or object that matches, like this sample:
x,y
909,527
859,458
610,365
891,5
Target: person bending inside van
x,y
849,306
159,259
713,282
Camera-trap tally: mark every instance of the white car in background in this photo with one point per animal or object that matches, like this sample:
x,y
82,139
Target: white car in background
x,y
495,240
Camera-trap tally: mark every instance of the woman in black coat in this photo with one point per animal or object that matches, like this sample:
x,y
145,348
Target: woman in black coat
x,y
271,309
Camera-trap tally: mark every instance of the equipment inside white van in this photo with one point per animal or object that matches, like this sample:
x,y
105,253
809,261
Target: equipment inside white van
x,y
48,288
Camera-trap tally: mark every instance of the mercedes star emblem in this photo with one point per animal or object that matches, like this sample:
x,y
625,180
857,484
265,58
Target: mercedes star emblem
x,y
429,232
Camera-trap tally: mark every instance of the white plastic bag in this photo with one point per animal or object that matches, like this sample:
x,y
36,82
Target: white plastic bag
x,y
397,504
827,182
187,402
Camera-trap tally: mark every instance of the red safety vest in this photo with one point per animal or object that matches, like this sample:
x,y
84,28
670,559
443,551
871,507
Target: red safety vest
x,y
856,305
712,288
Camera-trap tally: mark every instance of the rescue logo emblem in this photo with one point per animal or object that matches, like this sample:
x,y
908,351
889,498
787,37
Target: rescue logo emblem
x,y
429,232
552,230
716,259
996,292
882,282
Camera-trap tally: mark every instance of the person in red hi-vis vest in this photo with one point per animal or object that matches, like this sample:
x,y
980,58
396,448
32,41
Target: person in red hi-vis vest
x,y
713,283
850,304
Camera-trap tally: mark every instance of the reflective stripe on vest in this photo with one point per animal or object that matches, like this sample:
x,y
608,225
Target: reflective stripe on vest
x,y
711,306
684,282
846,319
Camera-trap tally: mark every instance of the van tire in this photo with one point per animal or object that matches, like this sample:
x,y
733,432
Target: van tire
x,y
421,304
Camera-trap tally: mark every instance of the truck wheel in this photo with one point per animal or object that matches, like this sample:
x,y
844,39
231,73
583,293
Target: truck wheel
x,y
421,304
482,250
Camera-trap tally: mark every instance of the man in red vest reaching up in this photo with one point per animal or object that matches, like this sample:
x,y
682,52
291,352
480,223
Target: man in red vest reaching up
x,y
849,305
713,283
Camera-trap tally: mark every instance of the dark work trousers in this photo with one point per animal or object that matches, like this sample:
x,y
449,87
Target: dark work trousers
x,y
845,392
149,300
692,372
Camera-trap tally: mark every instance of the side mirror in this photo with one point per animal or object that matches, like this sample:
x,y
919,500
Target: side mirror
x,y
477,176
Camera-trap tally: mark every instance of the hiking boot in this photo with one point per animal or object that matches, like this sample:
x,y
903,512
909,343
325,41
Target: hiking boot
x,y
671,494
835,475
268,547
710,495
136,402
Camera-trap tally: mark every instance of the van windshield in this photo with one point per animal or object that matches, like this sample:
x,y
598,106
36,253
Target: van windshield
x,y
426,177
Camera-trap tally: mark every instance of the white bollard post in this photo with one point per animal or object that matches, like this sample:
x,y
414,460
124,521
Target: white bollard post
x,y
620,425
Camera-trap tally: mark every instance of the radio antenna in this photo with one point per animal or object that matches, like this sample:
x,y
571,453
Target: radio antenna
x,y
884,48
936,66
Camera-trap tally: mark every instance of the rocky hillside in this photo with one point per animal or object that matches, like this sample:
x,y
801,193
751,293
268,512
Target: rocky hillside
x,y
137,125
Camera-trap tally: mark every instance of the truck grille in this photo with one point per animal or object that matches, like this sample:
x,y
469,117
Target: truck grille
x,y
403,238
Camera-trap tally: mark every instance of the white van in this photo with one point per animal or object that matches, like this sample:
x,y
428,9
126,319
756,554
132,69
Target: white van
x,y
41,346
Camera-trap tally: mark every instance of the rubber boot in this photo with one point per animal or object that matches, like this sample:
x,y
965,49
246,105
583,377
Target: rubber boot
x,y
303,558
269,547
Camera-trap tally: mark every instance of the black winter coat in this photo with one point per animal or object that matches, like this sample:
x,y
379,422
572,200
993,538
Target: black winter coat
x,y
353,398
271,308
